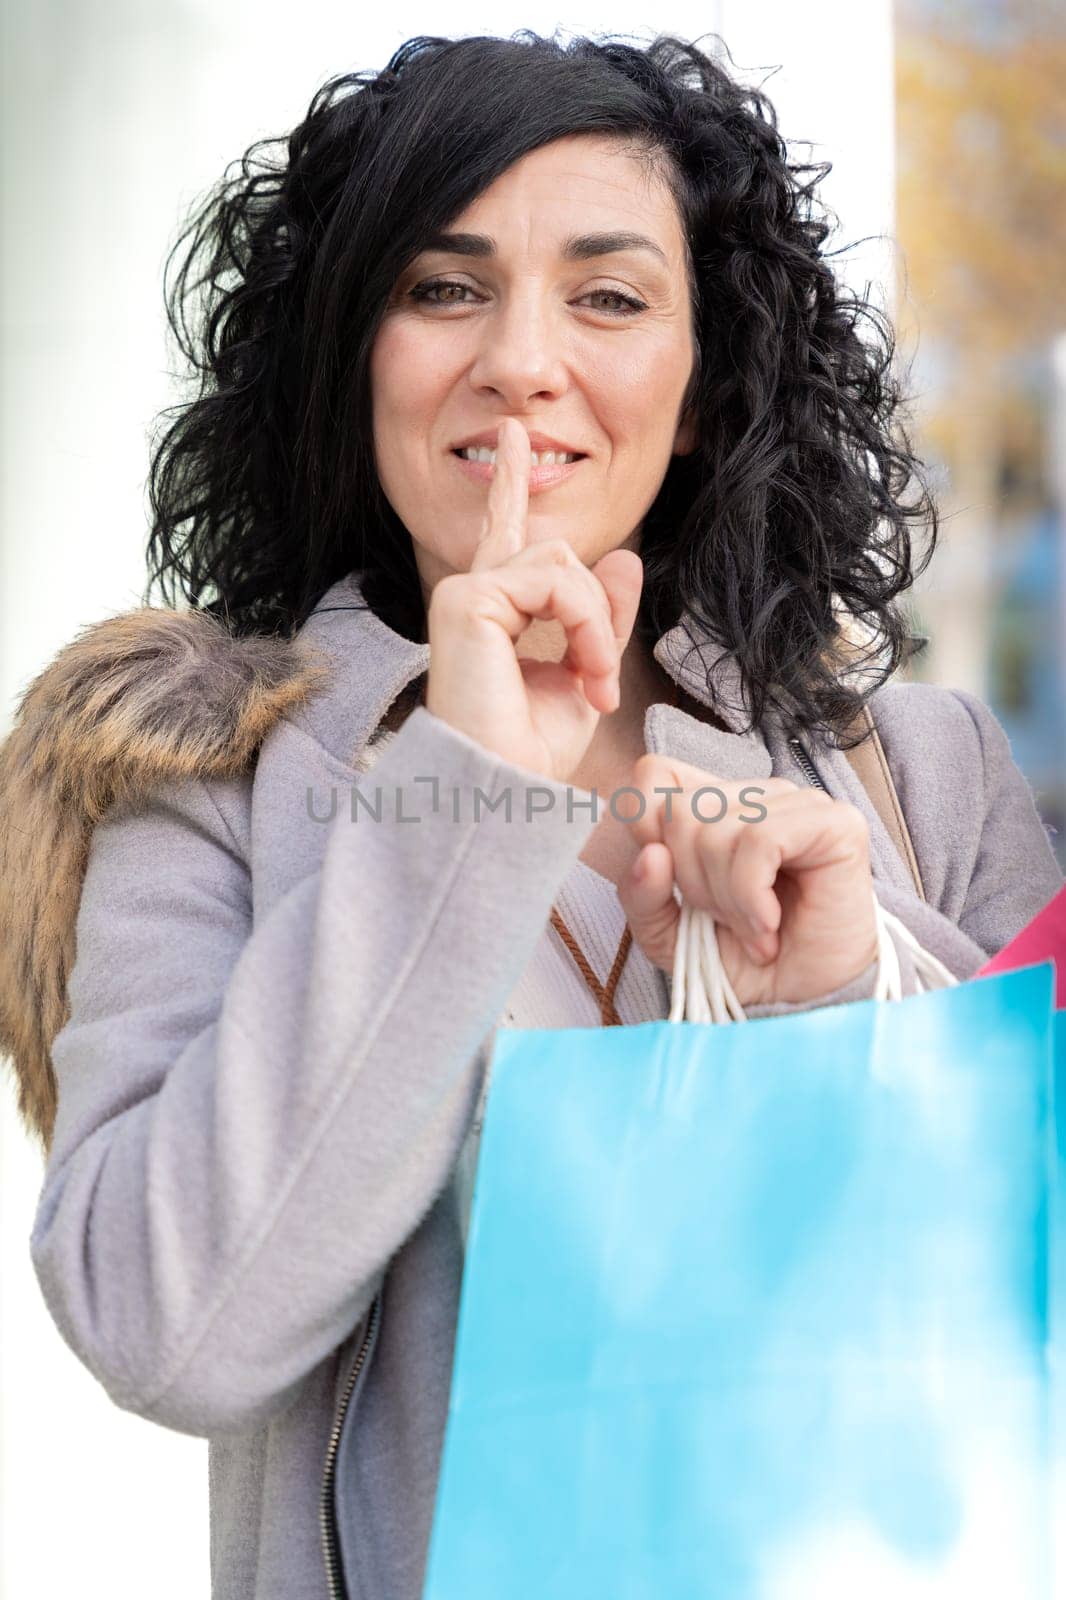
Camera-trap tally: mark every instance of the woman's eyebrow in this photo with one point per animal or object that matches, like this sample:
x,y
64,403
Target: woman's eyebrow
x,y
579,247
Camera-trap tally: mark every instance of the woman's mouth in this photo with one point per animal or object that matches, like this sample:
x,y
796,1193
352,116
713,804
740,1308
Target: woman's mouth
x,y
543,473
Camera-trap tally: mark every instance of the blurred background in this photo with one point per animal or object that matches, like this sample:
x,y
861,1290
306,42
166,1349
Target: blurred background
x,y
981,308
948,176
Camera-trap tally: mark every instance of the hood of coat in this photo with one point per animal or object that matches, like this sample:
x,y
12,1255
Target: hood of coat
x,y
153,695
146,696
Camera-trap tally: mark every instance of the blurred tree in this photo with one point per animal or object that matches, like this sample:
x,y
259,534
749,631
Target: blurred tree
x,y
981,224
981,175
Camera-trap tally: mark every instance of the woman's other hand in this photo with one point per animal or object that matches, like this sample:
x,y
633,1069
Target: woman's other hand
x,y
790,887
540,715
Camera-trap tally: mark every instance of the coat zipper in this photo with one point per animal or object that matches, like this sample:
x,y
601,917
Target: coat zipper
x,y
806,764
338,1589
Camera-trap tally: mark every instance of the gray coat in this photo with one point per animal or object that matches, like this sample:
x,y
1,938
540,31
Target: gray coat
x,y
279,1022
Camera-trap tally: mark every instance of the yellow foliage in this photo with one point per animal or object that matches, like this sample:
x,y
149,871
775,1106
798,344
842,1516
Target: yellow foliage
x,y
981,184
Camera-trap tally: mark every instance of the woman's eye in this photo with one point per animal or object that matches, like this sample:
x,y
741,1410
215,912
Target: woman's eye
x,y
425,292
627,300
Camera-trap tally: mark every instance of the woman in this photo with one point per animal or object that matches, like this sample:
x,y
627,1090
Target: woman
x,y
311,843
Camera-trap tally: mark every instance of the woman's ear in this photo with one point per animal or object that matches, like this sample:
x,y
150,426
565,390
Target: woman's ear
x,y
687,436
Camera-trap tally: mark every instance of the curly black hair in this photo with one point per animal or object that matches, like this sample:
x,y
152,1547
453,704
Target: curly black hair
x,y
798,499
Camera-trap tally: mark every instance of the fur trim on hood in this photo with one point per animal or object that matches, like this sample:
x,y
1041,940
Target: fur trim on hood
x,y
147,696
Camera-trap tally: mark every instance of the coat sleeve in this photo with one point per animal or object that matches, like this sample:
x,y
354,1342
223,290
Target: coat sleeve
x,y
986,860
255,1114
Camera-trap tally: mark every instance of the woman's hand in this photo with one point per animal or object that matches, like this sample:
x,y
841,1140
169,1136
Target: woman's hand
x,y
540,715
801,870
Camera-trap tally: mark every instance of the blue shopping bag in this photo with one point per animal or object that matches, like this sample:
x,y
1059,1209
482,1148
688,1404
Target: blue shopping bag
x,y
764,1311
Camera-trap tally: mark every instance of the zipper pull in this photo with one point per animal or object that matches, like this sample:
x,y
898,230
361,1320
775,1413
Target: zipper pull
x,y
806,765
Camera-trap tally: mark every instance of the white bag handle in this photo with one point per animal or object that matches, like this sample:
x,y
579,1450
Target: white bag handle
x,y
703,993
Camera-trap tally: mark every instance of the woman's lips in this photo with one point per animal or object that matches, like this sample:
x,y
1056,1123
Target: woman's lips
x,y
539,477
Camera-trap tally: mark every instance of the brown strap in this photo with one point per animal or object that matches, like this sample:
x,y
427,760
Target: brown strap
x,y
870,765
604,993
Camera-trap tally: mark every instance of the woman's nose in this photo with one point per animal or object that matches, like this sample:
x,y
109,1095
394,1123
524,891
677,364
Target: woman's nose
x,y
522,351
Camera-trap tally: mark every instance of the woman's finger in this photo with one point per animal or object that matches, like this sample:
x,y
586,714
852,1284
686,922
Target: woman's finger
x,y
813,839
553,589
703,821
620,574
796,821
673,799
646,893
729,866
506,522
616,587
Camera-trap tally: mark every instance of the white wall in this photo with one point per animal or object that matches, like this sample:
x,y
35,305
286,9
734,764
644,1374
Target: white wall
x,y
835,99
116,114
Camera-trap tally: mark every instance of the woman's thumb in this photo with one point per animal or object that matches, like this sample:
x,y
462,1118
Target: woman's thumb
x,y
647,896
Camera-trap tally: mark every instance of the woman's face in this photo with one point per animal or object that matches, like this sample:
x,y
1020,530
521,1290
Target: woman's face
x,y
592,347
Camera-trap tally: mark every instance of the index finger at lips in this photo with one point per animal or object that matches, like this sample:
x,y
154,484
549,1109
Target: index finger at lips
x,y
507,515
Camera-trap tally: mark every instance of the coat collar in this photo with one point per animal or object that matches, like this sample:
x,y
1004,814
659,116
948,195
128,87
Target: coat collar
x,y
372,664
